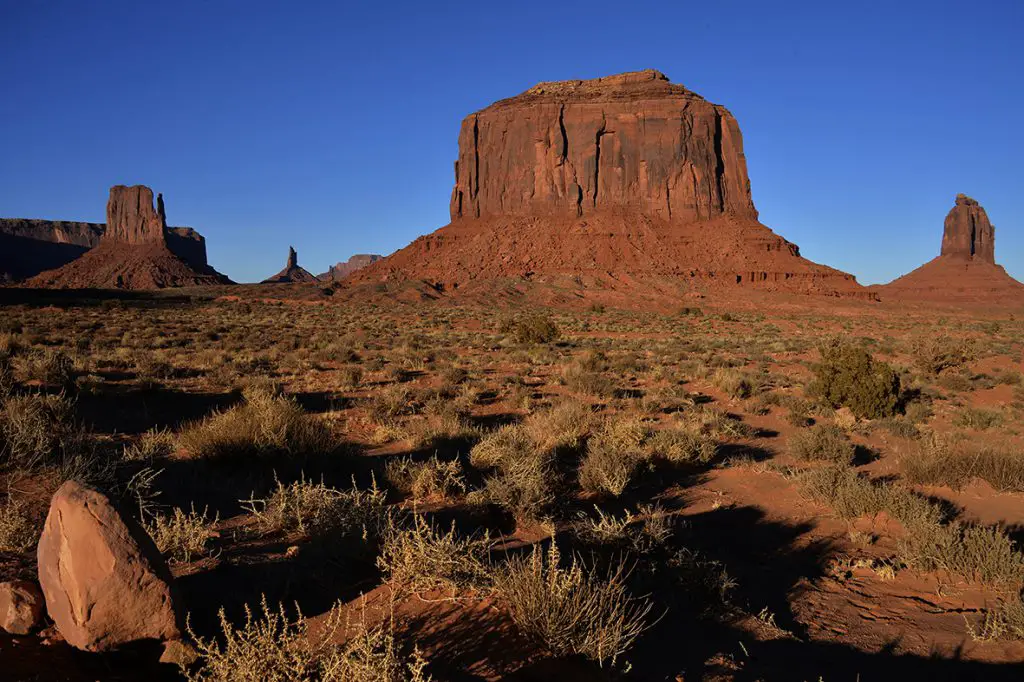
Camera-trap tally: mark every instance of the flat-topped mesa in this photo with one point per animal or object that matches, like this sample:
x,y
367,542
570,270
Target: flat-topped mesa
x,y
631,142
967,232
131,217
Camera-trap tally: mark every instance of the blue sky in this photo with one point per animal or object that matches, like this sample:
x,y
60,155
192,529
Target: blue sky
x,y
332,126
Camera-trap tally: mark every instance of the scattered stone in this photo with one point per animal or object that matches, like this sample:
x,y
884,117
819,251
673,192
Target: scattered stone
x,y
104,580
180,653
22,608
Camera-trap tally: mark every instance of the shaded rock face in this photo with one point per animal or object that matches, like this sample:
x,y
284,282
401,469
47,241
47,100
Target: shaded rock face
x,y
632,141
131,217
343,269
104,580
620,182
967,232
21,607
292,273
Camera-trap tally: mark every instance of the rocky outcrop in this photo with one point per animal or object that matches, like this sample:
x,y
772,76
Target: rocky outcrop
x,y
22,608
967,232
343,269
292,273
104,580
965,269
605,183
136,250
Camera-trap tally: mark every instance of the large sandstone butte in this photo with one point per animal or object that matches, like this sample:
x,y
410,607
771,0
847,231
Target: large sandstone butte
x,y
343,269
608,183
134,250
292,273
965,268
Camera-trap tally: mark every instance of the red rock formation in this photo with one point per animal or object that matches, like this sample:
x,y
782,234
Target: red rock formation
x,y
343,269
965,269
292,273
135,251
592,180
967,232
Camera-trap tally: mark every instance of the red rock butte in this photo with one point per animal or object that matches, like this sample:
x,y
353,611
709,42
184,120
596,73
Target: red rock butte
x,y
134,251
292,272
610,182
624,181
965,269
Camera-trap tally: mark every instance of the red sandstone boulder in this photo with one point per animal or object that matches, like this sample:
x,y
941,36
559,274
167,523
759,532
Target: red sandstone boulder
x,y
104,580
21,607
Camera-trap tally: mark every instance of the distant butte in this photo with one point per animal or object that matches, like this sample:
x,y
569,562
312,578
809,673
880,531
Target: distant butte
x,y
292,273
343,269
628,181
134,251
965,268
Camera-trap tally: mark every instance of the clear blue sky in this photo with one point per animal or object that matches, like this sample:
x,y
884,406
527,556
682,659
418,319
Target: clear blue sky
x,y
332,126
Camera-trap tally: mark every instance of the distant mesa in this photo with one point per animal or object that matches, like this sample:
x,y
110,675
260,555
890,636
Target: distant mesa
x,y
343,269
965,267
616,182
134,249
292,273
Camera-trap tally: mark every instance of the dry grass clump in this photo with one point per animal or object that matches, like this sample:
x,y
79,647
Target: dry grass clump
x,y
935,354
7,380
183,535
734,383
1003,622
822,443
423,557
943,461
977,418
271,647
316,509
644,530
17,531
431,479
848,376
712,422
683,445
45,366
264,424
569,610
930,542
153,444
350,376
613,455
579,379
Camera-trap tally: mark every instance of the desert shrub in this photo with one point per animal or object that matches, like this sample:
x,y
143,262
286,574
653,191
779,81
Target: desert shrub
x,y
977,418
734,383
422,557
350,376
848,376
716,423
183,535
7,380
930,541
822,442
1005,621
39,430
17,531
588,382
532,328
685,445
571,611
316,509
935,354
433,478
645,530
941,461
264,424
46,366
613,454
704,584
389,403
271,647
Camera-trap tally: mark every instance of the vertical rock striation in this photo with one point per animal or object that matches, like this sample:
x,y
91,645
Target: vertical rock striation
x,y
967,232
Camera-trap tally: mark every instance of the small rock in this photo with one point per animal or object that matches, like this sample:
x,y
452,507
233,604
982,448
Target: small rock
x,y
180,653
21,607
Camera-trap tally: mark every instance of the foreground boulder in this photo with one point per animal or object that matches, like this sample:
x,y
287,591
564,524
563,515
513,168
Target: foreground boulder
x,y
21,607
104,580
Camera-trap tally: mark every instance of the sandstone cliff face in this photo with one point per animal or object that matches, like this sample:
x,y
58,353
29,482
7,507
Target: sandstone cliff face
x,y
343,269
131,217
967,232
621,182
632,141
